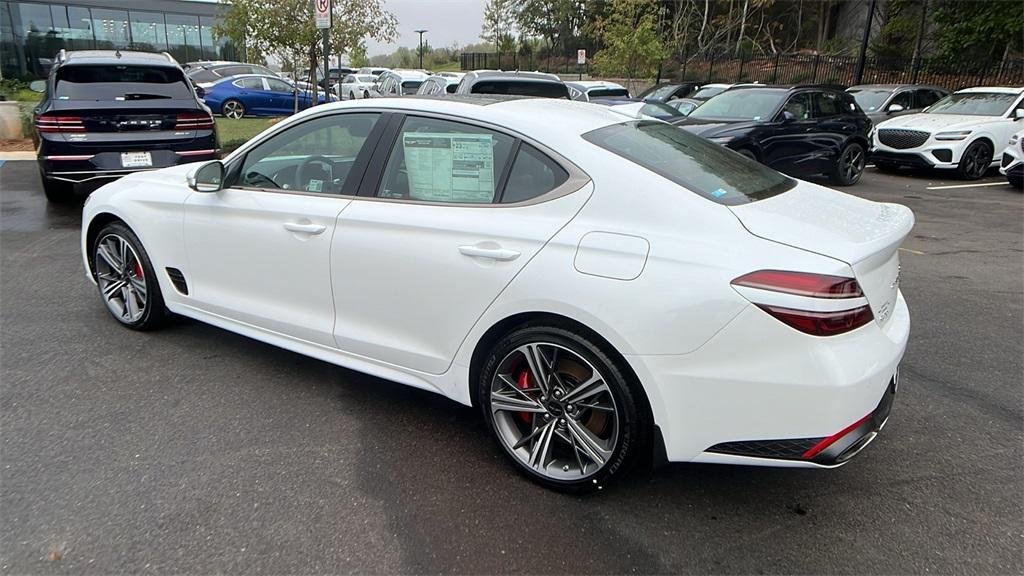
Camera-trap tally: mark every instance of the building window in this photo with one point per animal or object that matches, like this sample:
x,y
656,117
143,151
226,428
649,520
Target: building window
x,y
183,37
111,27
76,28
148,31
212,49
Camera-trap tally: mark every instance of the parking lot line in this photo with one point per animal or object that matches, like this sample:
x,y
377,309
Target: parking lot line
x,y
965,186
918,252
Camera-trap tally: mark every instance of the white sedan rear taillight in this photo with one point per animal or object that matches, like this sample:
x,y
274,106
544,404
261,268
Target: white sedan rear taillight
x,y
816,304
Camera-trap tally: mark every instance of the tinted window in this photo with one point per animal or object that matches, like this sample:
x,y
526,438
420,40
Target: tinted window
x,y
532,174
202,75
410,86
441,161
746,104
904,99
799,105
528,88
660,93
609,93
107,82
234,70
660,111
314,156
349,79
708,92
451,88
713,171
926,98
826,104
974,104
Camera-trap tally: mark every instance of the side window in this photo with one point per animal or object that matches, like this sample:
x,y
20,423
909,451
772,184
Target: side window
x,y
799,105
315,156
278,85
532,175
249,83
349,79
926,98
826,104
437,160
233,70
905,99
451,88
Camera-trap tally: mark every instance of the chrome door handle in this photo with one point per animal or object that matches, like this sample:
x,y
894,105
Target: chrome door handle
x,y
502,254
305,228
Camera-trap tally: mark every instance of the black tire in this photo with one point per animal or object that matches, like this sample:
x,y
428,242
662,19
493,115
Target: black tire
x,y
366,94
849,166
634,425
57,191
1016,181
975,161
154,312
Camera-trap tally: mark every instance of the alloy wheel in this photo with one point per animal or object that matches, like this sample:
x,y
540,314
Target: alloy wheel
x,y
853,163
121,278
554,411
233,109
976,161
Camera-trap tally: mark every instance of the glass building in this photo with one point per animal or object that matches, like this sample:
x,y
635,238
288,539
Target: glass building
x,y
31,33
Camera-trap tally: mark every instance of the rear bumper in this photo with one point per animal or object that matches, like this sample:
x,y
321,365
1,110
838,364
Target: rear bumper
x,y
107,165
761,393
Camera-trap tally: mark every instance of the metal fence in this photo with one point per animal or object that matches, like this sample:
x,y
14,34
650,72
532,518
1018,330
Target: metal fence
x,y
790,69
842,70
514,61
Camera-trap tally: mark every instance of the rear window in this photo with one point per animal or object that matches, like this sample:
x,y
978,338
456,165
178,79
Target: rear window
x,y
120,82
518,88
713,171
609,93
202,75
410,86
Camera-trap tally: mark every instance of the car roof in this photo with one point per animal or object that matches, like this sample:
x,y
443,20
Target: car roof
x,y
586,84
409,74
118,56
512,75
448,79
894,87
531,116
992,89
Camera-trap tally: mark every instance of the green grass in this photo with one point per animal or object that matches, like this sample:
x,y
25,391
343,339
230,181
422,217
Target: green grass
x,y
446,67
235,132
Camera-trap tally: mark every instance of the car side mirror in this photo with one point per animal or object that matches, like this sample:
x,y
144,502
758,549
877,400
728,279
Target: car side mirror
x,y
893,108
37,86
1018,114
200,92
788,117
208,177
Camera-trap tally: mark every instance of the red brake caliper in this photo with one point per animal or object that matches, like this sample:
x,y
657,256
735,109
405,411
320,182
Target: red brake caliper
x,y
524,382
138,270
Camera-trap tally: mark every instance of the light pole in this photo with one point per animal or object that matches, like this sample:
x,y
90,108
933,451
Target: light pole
x,y
421,33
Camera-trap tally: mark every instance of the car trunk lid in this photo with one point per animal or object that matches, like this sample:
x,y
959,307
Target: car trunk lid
x,y
864,234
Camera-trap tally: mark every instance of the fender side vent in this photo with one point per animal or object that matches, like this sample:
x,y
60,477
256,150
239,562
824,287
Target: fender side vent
x,y
178,279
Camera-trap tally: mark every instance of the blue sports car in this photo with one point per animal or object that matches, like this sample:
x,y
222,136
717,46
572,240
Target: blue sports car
x,y
255,95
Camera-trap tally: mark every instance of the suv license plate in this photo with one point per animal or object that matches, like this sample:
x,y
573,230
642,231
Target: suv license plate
x,y
136,159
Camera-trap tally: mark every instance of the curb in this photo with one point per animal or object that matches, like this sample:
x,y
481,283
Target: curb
x,y
10,156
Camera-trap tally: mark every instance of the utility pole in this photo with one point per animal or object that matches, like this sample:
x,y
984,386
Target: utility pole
x,y
421,33
859,75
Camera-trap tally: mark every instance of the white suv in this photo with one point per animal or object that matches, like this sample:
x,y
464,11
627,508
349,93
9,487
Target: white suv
x,y
960,132
1011,164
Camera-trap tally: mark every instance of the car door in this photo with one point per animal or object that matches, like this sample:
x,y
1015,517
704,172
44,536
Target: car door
x,y
282,100
428,245
259,250
251,94
787,144
833,127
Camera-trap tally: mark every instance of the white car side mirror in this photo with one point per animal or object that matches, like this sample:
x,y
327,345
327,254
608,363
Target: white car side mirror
x,y
1018,114
208,177
895,108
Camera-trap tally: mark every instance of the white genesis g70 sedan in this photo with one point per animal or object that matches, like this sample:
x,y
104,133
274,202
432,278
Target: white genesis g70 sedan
x,y
606,290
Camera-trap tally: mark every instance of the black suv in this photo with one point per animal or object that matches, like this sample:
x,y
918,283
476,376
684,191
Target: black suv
x,y
105,114
799,130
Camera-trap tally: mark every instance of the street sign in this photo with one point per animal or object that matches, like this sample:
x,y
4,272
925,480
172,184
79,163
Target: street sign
x,y
581,57
322,13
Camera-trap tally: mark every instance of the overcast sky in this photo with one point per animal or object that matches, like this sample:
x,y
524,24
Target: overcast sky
x,y
447,21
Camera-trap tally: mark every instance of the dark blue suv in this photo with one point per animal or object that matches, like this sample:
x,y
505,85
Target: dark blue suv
x,y
107,113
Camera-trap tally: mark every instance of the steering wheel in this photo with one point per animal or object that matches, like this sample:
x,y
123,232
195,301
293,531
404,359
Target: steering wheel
x,y
300,172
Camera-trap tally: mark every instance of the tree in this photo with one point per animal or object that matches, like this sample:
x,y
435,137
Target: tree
x,y
357,57
499,25
286,27
632,44
978,28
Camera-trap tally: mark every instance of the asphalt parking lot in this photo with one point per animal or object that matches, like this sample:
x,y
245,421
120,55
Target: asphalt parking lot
x,y
194,450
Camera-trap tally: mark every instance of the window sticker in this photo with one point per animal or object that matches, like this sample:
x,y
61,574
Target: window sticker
x,y
450,167
315,186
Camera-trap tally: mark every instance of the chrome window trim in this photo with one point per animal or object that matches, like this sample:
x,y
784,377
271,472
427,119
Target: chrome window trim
x,y
577,180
